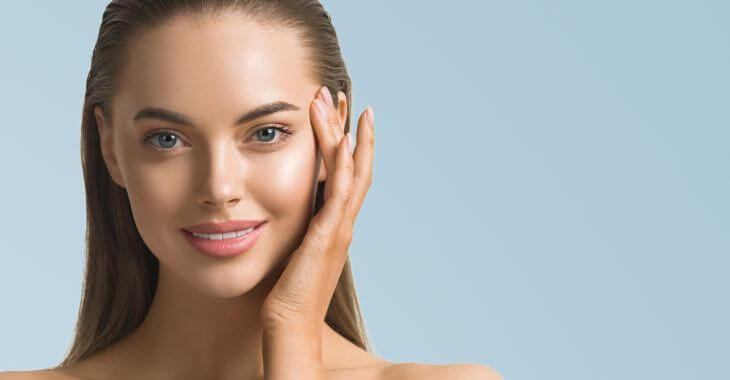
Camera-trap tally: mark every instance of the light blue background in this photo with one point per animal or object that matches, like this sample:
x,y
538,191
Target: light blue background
x,y
550,192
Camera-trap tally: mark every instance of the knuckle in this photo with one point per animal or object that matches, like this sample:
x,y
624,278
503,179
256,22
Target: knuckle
x,y
370,139
344,235
349,165
345,197
347,236
343,205
332,118
363,183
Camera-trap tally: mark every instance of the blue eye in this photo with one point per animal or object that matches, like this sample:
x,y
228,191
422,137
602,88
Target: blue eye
x,y
166,140
268,134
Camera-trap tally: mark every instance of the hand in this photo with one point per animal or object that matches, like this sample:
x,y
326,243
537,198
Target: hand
x,y
293,313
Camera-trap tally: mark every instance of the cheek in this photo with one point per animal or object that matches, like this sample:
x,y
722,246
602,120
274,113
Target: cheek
x,y
283,183
284,188
157,191
157,194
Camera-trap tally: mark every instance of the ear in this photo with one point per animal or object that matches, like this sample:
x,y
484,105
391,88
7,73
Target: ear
x,y
342,114
106,140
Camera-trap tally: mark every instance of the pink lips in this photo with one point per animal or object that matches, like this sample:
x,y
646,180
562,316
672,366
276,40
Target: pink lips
x,y
219,228
225,247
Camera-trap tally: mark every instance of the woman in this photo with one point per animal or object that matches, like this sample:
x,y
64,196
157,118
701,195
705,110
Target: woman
x,y
222,186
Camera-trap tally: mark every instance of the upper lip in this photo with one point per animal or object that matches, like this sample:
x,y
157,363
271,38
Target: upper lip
x,y
227,226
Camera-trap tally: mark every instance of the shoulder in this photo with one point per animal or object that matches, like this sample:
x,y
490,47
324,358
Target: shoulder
x,y
460,371
43,374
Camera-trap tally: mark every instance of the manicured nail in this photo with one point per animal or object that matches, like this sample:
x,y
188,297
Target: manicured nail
x,y
320,108
371,116
349,142
326,95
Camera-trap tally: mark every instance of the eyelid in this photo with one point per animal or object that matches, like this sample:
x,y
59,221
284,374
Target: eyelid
x,y
285,130
152,132
281,127
146,137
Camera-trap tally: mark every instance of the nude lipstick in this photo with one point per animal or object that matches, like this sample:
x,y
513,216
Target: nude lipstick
x,y
227,239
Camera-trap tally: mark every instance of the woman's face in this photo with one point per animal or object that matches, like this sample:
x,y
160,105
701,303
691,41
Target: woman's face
x,y
214,169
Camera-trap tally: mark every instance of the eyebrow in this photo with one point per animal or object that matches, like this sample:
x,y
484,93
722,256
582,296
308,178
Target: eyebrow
x,y
178,118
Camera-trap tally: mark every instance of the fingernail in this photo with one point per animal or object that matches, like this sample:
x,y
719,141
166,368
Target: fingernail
x,y
349,142
320,108
371,116
326,95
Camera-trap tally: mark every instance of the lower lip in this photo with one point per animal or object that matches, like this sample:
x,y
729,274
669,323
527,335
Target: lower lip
x,y
224,248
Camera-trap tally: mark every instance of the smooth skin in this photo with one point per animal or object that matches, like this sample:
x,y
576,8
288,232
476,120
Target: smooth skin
x,y
260,314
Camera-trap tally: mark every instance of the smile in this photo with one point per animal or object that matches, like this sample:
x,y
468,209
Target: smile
x,y
224,236
224,244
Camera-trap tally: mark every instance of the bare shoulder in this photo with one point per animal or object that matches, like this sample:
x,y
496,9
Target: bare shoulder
x,y
41,374
459,371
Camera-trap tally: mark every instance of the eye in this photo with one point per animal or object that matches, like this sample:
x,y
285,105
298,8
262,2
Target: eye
x,y
166,140
267,134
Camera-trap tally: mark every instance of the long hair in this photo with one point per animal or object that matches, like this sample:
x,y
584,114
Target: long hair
x,y
121,272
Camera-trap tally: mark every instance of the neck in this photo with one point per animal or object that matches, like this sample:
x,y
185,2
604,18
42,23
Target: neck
x,y
190,335
193,334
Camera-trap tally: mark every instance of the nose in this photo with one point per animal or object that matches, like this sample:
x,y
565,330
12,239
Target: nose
x,y
222,178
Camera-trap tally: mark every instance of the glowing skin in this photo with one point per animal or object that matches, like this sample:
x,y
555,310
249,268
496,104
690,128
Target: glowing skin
x,y
204,321
217,171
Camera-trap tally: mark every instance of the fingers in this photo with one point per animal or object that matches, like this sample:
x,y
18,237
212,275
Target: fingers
x,y
363,157
330,220
349,174
332,118
342,182
327,129
308,281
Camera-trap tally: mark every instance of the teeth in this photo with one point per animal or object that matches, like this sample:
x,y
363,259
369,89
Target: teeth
x,y
243,232
224,236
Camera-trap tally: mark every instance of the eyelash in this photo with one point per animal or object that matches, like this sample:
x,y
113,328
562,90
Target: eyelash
x,y
285,133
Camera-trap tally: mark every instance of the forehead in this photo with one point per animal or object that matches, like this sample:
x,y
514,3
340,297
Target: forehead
x,y
220,65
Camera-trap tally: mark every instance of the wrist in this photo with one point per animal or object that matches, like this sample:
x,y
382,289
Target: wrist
x,y
292,353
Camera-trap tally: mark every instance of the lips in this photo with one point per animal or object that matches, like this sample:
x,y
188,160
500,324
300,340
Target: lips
x,y
224,248
227,226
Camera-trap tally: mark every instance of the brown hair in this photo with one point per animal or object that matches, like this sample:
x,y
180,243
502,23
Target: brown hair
x,y
121,272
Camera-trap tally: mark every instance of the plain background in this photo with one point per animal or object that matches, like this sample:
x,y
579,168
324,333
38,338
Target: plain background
x,y
550,192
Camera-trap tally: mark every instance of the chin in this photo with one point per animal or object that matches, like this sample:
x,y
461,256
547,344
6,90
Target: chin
x,y
227,281
252,271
